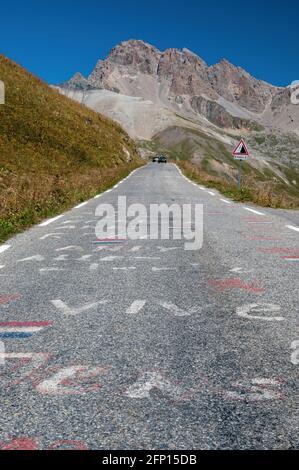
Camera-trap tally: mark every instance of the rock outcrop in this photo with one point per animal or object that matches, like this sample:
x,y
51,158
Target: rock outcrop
x,y
182,82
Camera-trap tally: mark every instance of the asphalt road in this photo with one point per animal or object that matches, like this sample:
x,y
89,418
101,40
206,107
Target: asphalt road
x,y
144,345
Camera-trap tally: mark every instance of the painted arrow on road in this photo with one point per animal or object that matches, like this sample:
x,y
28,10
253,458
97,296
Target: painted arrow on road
x,y
71,311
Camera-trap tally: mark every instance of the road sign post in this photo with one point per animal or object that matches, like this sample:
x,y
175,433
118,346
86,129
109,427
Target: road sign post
x,y
241,153
240,174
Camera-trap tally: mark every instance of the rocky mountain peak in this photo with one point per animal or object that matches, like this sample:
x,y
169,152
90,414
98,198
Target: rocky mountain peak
x,y
138,55
77,82
238,86
137,68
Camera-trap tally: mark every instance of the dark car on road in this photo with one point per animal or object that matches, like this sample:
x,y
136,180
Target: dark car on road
x,y
162,159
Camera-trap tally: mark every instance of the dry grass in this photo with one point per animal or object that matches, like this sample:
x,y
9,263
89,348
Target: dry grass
x,y
265,194
53,151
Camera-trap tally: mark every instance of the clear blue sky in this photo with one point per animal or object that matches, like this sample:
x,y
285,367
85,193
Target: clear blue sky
x,y
56,38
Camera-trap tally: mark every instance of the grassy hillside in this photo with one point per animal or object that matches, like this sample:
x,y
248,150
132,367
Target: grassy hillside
x,y
209,161
53,152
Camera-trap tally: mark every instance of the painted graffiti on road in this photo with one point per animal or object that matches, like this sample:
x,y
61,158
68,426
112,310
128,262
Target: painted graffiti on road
x,y
4,299
152,380
223,285
258,311
52,381
22,366
71,311
72,380
258,389
33,443
21,330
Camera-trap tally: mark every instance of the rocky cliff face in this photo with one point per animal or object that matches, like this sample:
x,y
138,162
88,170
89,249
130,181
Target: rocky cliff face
x,y
178,79
131,57
186,73
217,113
236,85
136,55
181,71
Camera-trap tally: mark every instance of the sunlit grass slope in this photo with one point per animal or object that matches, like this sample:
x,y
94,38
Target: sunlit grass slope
x,y
53,151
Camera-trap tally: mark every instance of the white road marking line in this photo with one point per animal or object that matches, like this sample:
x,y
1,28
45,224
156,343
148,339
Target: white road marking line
x,y
48,222
260,223
42,270
54,235
2,266
135,248
163,249
68,227
111,258
226,202
292,227
146,257
155,269
71,221
4,248
238,270
70,248
211,193
70,311
295,353
129,268
181,173
254,211
32,258
81,205
136,306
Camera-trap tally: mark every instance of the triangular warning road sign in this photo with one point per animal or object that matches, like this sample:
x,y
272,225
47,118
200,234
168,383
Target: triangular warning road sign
x,y
241,151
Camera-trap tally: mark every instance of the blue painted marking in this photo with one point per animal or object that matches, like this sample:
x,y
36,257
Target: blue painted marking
x,y
15,335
